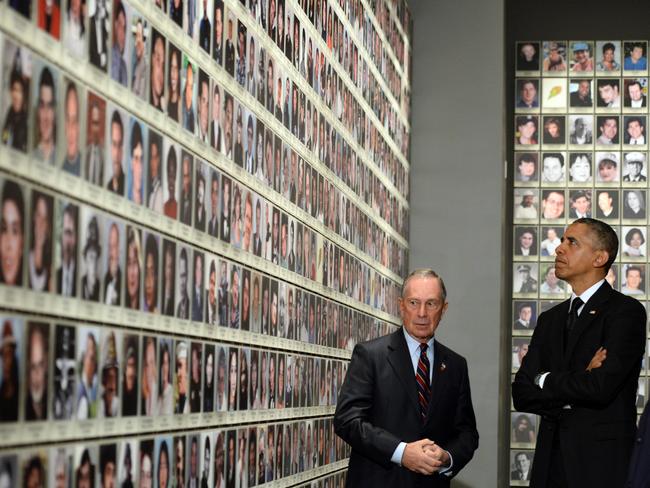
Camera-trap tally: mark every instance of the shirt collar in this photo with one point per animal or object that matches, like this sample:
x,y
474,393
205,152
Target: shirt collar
x,y
414,344
589,292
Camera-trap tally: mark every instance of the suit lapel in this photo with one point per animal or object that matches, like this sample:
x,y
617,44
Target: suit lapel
x,y
590,311
400,360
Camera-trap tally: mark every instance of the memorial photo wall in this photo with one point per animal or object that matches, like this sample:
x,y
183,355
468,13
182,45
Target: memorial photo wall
x,y
580,150
203,208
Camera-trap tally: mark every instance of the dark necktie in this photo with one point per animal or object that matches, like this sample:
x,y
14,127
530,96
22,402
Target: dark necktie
x,y
422,380
571,319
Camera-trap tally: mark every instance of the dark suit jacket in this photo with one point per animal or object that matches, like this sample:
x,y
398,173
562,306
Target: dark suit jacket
x,y
598,430
378,408
639,474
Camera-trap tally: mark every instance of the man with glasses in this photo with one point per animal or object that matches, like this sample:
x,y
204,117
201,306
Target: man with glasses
x,y
405,406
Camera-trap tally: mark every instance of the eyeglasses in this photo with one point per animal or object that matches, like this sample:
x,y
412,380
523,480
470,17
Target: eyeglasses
x,y
415,304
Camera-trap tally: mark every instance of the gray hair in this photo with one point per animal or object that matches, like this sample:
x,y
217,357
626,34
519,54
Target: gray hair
x,y
425,273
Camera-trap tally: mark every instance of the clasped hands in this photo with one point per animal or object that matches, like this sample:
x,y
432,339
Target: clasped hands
x,y
424,457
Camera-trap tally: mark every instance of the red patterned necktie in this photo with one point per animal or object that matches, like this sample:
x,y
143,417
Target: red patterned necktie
x,y
422,380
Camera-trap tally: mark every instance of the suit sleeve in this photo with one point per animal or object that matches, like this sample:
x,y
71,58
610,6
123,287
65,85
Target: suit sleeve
x,y
625,343
526,396
465,439
352,419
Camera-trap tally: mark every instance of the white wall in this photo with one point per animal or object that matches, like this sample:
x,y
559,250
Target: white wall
x,y
458,194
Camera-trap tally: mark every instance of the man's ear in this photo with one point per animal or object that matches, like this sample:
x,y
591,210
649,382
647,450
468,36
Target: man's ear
x,y
601,258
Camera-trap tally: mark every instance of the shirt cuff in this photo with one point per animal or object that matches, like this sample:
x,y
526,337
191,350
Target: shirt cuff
x,y
542,379
398,453
447,471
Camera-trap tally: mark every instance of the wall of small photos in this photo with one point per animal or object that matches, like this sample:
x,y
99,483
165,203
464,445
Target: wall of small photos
x,y
580,149
203,208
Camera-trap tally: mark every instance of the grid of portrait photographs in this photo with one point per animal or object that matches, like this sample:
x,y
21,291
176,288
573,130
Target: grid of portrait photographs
x,y
203,209
580,150
251,455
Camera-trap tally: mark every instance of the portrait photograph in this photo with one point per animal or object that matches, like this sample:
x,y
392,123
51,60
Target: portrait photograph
x,y
225,208
201,187
203,107
153,173
183,277
635,126
136,157
140,31
235,293
159,389
525,278
553,167
49,17
554,58
526,207
163,469
150,294
133,267
39,257
580,168
524,428
554,130
60,468
12,348
65,249
554,93
75,28
550,283
635,167
186,187
120,42
169,178
99,25
189,77
607,129
196,370
608,57
211,304
607,204
16,80
36,371
581,56
634,204
526,130
519,351
197,286
608,93
128,467
88,354
223,292
580,204
581,93
130,374
208,377
158,59
525,243
46,108
635,56
635,92
634,239
607,164
520,466
65,372
91,269
525,316
633,279
612,277
94,163
86,464
116,152
149,375
245,317
181,373
174,63
205,13
256,302
581,129
236,218
109,373
72,120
